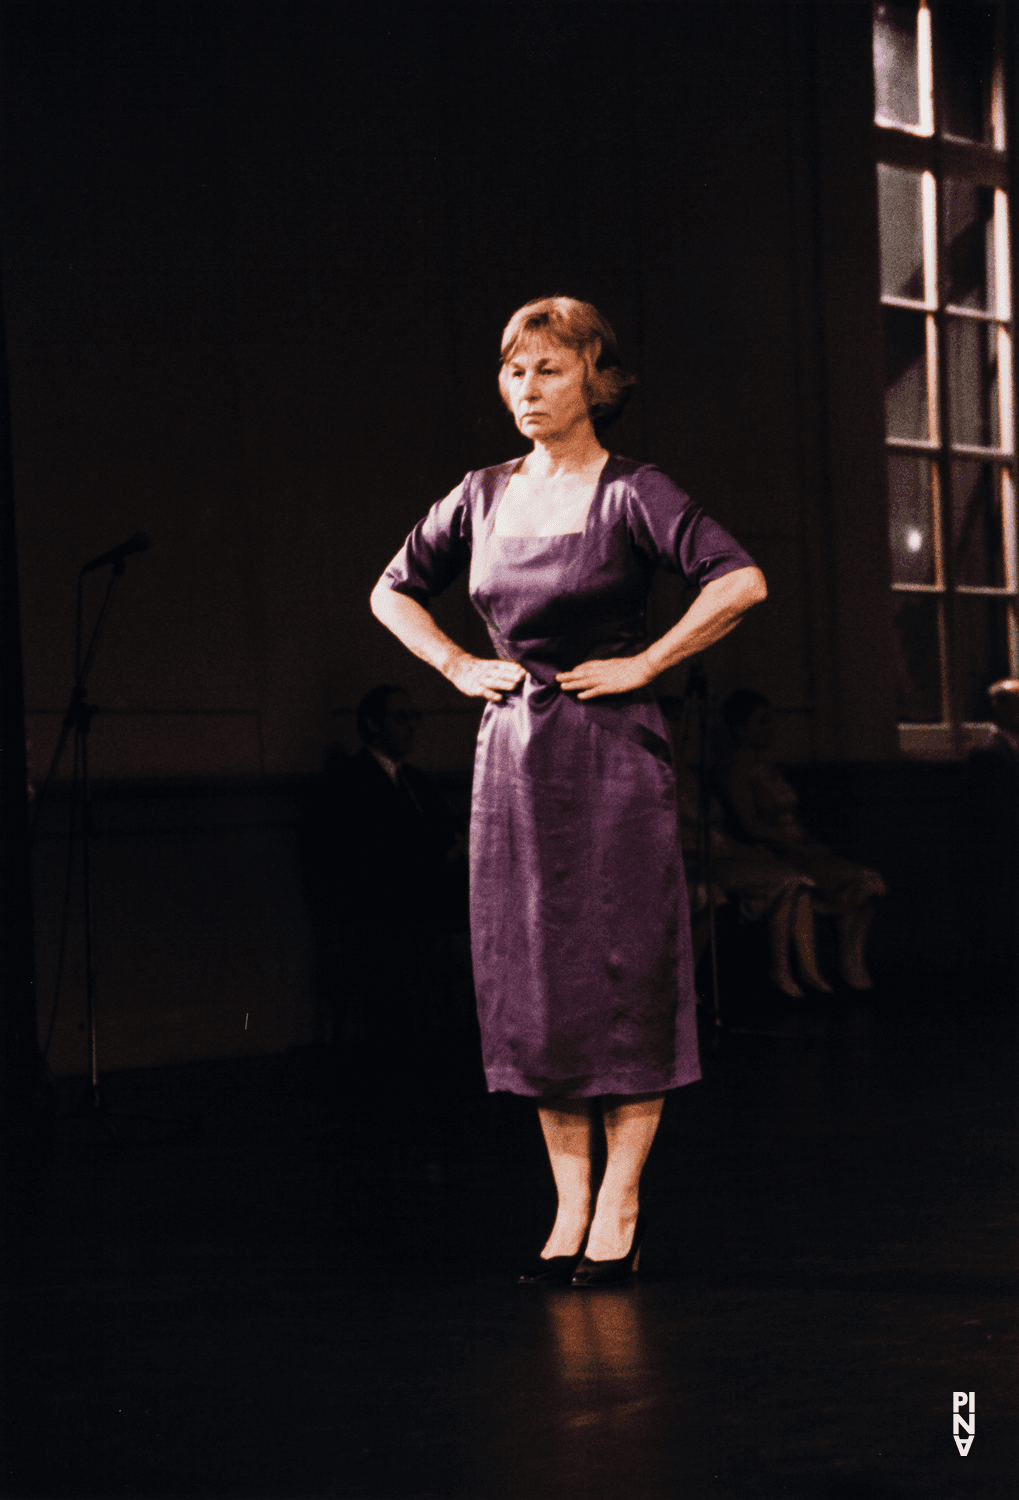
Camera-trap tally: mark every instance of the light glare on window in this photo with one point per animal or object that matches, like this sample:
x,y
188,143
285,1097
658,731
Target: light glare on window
x,y
903,68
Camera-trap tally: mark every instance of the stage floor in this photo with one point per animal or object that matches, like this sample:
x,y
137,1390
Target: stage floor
x,y
311,1292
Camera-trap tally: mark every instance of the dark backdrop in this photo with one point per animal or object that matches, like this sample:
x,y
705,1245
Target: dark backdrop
x,y
256,260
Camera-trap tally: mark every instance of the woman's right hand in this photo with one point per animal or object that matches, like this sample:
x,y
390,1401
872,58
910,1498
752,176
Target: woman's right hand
x,y
411,623
478,677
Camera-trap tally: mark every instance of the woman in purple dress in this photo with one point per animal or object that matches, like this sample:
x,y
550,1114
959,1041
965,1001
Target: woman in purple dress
x,y
579,922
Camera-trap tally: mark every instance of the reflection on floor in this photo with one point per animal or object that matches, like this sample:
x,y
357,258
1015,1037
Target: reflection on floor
x,y
312,1293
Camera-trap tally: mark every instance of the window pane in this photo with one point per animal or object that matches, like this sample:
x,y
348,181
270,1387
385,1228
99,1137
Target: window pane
x,y
969,222
910,521
901,218
896,90
917,659
973,382
906,396
982,643
978,538
964,61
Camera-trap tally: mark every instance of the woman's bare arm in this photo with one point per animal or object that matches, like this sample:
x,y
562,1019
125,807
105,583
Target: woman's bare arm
x,y
718,608
411,623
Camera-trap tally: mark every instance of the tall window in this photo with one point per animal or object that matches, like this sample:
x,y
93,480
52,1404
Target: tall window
x,y
942,176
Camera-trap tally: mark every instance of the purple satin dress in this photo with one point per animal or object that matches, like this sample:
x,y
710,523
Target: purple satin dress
x,y
580,930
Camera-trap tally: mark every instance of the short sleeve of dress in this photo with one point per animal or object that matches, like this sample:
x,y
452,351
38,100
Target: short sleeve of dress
x,y
437,550
671,532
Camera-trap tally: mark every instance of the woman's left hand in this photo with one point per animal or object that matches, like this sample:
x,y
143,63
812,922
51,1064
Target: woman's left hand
x,y
597,679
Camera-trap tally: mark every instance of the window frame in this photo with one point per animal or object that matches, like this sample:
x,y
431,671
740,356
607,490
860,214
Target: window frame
x,y
937,157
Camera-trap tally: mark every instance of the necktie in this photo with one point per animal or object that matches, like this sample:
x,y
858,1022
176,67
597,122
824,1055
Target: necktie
x,y
408,791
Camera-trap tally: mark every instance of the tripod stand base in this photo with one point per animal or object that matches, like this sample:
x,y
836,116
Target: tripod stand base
x,y
93,1106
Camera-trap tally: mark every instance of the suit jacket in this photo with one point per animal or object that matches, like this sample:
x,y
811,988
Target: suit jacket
x,y
381,851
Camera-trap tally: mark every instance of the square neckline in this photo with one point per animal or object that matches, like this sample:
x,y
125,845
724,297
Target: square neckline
x,y
552,536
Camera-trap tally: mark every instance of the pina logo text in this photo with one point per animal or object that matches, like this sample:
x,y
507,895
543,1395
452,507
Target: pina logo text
x,y
964,1419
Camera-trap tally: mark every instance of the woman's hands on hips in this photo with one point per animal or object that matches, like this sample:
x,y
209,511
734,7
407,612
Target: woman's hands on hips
x,y
480,678
597,679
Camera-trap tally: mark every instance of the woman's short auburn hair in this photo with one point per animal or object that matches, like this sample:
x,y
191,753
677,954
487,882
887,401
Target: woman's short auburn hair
x,y
581,327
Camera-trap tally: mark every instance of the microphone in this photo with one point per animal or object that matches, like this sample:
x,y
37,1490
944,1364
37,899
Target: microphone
x,y
137,543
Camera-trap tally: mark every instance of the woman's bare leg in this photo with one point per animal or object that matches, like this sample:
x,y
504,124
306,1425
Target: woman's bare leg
x,y
853,929
780,931
569,1132
630,1125
803,936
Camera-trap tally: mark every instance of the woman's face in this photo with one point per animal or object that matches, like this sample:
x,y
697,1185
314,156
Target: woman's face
x,y
545,384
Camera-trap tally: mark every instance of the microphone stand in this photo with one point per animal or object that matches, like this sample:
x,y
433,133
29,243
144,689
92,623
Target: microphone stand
x,y
78,721
78,717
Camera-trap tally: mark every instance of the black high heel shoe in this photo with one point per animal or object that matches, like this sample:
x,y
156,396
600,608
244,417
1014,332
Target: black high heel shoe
x,y
557,1270
599,1273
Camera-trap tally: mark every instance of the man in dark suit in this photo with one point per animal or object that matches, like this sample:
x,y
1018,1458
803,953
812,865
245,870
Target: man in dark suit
x,y
403,850
392,870
387,879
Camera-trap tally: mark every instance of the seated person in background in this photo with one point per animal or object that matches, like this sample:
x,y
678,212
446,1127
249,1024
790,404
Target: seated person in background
x,y
389,875
764,887
403,859
761,806
390,870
